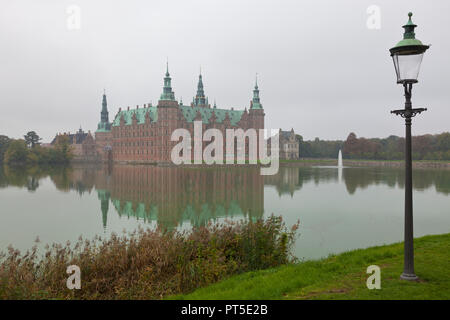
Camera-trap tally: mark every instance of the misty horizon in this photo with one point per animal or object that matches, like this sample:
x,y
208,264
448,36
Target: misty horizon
x,y
321,70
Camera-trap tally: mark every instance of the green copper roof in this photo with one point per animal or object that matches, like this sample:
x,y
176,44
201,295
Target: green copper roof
x,y
140,115
190,114
409,40
103,127
102,130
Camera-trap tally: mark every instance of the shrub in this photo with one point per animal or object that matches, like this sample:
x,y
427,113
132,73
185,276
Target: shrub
x,y
147,264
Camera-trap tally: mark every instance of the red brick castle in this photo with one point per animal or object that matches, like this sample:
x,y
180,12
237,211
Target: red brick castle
x,y
142,134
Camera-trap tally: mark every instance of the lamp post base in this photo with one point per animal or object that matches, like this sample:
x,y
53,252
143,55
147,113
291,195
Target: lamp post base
x,y
409,277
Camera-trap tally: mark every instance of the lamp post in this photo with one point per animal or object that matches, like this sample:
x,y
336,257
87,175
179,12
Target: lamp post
x,y
407,56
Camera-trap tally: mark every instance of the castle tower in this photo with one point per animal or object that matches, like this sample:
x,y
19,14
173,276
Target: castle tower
x,y
103,134
256,112
200,99
104,197
168,113
167,94
256,104
104,114
104,124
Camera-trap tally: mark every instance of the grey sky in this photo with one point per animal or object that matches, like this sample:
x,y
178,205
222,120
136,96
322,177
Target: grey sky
x,y
321,70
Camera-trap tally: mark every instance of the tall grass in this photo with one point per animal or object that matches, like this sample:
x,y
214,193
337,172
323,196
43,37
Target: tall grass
x,y
147,264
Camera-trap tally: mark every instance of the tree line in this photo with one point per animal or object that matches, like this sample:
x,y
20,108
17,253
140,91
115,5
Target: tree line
x,y
424,147
319,148
28,151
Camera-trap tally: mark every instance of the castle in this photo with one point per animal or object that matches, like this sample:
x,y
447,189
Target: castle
x,y
143,134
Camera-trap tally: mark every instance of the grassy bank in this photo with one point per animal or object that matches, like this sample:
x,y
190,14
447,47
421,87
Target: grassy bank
x,y
147,264
344,276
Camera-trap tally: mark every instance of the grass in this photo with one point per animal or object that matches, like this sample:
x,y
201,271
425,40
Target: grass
x,y
344,276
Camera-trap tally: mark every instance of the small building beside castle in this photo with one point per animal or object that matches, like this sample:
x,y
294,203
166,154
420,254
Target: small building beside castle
x,y
81,143
143,134
289,145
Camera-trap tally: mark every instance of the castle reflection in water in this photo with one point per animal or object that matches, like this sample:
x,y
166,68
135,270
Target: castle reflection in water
x,y
171,196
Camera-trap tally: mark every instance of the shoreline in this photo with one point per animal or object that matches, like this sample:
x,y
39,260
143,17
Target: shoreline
x,y
417,164
343,276
347,163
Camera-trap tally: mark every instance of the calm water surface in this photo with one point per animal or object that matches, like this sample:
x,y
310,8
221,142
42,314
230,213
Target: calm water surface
x,y
339,209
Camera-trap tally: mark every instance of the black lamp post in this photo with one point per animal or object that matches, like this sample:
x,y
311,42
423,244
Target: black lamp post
x,y
407,56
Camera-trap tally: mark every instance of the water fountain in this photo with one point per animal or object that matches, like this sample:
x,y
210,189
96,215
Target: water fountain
x,y
340,166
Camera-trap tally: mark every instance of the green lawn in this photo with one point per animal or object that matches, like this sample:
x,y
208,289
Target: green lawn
x,y
344,276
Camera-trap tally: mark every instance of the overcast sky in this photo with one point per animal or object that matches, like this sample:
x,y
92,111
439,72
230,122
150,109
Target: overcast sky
x,y
321,70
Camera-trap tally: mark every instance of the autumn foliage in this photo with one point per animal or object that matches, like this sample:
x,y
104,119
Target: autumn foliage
x,y
424,147
147,264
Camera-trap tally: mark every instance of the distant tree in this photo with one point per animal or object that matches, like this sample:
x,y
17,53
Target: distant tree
x,y
319,148
443,141
4,143
421,146
304,147
428,147
22,152
32,139
17,153
351,146
62,151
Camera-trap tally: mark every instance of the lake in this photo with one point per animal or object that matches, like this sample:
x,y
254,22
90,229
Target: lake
x,y
338,209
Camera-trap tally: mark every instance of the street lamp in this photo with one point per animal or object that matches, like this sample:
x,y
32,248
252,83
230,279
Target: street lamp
x,y
407,56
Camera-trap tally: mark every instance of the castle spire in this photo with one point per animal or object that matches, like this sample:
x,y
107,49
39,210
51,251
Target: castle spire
x,y
200,97
104,115
167,94
104,124
167,68
256,103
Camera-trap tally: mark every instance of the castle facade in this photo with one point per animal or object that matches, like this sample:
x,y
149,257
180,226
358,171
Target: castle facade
x,y
143,134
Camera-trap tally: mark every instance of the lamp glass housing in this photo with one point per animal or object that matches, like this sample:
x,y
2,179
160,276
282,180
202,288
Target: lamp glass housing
x,y
407,66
